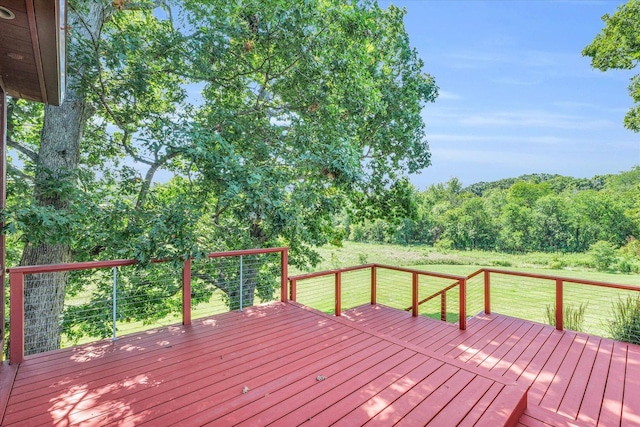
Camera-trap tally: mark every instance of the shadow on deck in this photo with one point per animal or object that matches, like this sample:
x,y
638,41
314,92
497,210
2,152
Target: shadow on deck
x,y
286,364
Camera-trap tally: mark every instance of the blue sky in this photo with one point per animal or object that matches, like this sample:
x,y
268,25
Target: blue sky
x,y
516,95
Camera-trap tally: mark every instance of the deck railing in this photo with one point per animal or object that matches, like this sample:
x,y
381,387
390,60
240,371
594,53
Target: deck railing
x,y
600,308
595,307
396,287
111,298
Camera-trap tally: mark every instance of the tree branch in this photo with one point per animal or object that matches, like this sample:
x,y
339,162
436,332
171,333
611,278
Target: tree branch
x,y
23,149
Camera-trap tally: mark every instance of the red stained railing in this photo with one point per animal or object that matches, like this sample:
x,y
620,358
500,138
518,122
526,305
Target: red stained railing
x,y
16,284
375,270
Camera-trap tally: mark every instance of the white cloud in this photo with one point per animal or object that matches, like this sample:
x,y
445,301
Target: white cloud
x,y
446,95
535,119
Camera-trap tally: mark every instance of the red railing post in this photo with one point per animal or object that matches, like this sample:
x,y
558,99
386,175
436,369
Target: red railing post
x,y
487,292
443,306
463,304
559,306
16,334
414,294
338,308
373,284
186,292
284,274
293,289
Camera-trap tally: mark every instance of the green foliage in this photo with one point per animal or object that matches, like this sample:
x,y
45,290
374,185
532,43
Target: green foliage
x,y
541,213
625,325
572,317
617,46
603,255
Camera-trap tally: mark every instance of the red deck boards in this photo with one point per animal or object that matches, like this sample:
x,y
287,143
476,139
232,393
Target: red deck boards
x,y
575,379
279,364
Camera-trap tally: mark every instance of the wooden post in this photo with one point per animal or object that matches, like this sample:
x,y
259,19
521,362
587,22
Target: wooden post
x,y
443,306
293,289
487,292
559,306
16,334
373,285
3,199
186,292
414,294
338,308
463,304
284,276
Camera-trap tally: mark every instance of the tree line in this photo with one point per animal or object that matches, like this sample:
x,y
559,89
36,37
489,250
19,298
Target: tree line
x,y
547,213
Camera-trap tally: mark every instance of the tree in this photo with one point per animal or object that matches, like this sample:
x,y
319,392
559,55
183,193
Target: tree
x,y
306,107
617,46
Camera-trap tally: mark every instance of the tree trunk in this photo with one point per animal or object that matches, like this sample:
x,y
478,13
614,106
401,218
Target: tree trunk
x,y
58,159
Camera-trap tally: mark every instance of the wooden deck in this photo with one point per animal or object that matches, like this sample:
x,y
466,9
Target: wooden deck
x,y
574,378
285,364
279,364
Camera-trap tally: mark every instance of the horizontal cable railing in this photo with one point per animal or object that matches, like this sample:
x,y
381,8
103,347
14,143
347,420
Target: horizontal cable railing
x,y
335,290
87,301
599,308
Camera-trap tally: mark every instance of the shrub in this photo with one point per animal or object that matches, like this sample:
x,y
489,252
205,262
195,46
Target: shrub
x,y
603,255
572,317
557,264
501,263
363,258
625,325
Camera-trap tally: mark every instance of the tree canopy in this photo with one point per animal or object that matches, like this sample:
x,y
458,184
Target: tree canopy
x,y
271,116
617,46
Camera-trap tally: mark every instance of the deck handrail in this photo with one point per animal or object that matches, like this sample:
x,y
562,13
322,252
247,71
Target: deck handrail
x,y
337,273
16,285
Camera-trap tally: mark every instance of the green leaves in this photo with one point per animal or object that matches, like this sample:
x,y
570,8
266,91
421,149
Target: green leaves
x,y
618,46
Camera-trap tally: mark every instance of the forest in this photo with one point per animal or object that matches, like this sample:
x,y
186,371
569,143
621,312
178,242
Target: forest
x,y
531,213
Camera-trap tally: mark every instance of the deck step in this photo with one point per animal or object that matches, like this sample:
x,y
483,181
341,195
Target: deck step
x,y
535,416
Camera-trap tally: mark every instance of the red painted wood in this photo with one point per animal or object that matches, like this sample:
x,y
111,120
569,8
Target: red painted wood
x,y
630,407
7,378
3,203
513,399
375,406
16,317
576,389
520,370
559,306
338,410
611,410
301,406
504,347
463,304
338,294
564,279
186,292
592,400
518,352
548,371
414,294
558,386
374,283
252,345
194,375
481,407
299,383
483,349
453,413
487,292
284,273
